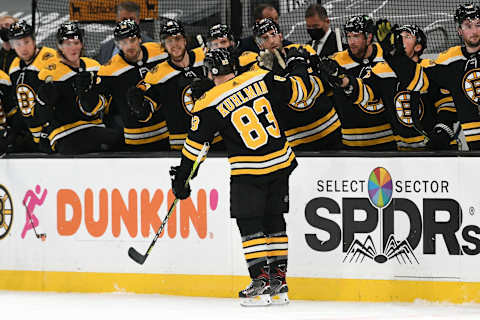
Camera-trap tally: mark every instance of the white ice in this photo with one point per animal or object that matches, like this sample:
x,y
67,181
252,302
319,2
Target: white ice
x,y
66,306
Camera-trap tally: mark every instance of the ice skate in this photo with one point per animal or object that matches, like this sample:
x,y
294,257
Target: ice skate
x,y
257,294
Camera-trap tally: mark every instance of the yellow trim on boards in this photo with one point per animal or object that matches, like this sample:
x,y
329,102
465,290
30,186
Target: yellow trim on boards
x,y
228,286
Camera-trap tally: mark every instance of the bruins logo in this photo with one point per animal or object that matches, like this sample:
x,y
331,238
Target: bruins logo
x,y
471,85
373,107
6,212
403,108
26,99
187,100
47,56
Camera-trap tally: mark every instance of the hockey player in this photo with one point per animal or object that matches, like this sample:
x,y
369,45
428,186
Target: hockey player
x,y
455,69
24,77
70,90
410,114
168,85
313,124
220,36
128,69
261,159
13,131
363,127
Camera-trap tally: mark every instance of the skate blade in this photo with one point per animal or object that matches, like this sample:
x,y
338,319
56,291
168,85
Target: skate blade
x,y
258,301
280,299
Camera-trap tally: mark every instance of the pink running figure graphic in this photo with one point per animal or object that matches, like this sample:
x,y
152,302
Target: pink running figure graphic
x,y
31,220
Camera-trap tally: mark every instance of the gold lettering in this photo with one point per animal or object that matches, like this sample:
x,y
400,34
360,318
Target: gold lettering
x,y
222,110
258,91
263,86
235,100
228,104
241,97
250,92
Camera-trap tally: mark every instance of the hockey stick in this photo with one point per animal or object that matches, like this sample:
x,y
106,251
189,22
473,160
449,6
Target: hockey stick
x,y
42,236
280,60
338,36
137,256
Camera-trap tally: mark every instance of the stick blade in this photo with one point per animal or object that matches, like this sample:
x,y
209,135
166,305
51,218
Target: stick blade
x,y
136,256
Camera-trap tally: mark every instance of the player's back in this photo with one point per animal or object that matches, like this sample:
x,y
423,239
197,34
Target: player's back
x,y
241,109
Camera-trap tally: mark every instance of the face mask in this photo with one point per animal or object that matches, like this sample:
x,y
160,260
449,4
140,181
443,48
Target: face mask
x,y
4,34
316,34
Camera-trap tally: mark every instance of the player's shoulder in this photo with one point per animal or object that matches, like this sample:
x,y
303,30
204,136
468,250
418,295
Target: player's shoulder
x,y
161,73
450,55
247,57
306,46
344,59
199,56
383,70
55,71
114,67
155,51
91,64
219,93
4,78
14,66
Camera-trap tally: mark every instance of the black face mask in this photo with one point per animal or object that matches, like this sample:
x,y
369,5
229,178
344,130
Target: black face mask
x,y
316,34
4,34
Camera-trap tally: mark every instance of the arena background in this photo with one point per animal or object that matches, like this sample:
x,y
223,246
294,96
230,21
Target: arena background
x,y
435,17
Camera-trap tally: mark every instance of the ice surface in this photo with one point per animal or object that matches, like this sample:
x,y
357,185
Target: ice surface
x,y
66,306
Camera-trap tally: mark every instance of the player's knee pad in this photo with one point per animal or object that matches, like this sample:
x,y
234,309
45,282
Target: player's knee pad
x,y
274,224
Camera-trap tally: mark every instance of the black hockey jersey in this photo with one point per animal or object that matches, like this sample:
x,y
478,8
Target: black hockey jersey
x,y
26,83
383,84
459,72
364,127
168,88
242,110
311,122
68,115
118,75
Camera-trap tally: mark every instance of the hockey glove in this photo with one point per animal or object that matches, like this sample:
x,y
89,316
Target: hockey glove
x,y
179,177
296,57
200,86
48,94
83,82
440,137
390,40
265,59
331,72
139,107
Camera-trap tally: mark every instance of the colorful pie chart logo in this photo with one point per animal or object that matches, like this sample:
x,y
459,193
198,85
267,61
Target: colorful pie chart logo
x,y
380,187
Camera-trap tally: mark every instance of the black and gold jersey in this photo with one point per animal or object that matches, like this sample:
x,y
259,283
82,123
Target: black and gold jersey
x,y
459,72
68,115
25,82
241,109
364,127
247,61
434,105
7,109
118,75
311,122
168,89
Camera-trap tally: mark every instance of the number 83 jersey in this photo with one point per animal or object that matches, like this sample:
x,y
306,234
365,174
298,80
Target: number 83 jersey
x,y
241,110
